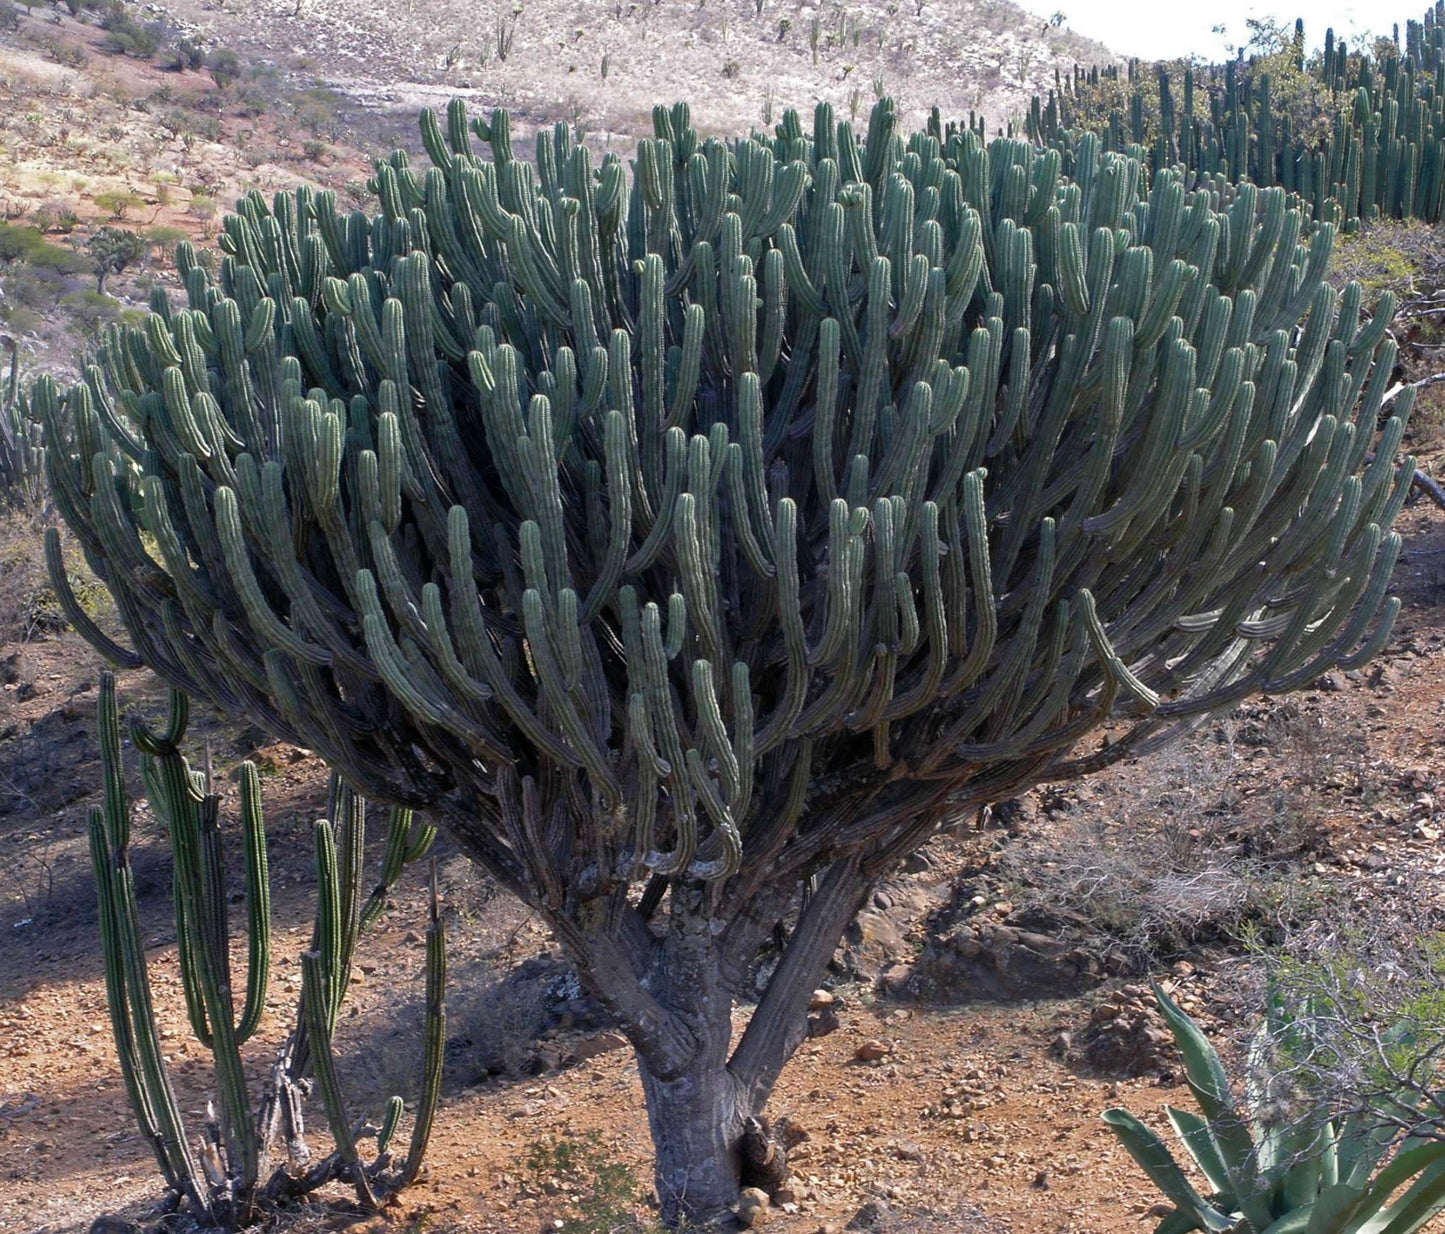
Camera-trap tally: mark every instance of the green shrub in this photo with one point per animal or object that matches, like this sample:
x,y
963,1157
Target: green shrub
x,y
28,246
164,238
20,320
127,37
36,289
18,243
90,309
318,110
1276,1168
225,67
119,202
189,55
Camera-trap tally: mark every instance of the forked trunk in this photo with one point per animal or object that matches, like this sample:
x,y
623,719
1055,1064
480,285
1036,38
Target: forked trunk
x,y
674,990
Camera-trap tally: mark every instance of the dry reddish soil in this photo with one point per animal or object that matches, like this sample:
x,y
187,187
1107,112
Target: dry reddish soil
x,y
970,1121
977,1116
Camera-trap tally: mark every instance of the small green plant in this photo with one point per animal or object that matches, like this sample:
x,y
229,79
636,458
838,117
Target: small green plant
x,y
1272,1169
594,1192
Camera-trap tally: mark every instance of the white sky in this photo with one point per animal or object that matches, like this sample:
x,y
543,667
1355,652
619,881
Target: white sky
x,y
1159,29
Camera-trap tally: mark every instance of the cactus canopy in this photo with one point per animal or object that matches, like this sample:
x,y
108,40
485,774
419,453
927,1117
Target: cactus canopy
x,y
686,537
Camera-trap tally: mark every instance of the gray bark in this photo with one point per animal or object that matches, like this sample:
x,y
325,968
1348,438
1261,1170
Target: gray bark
x,y
675,993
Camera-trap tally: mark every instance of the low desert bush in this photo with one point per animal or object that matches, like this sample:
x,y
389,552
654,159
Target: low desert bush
x,y
1174,861
1369,991
28,246
585,1188
125,36
1402,257
224,66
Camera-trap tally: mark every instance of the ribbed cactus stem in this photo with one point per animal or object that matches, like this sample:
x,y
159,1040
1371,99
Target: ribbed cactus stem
x,y
316,1004
128,993
258,902
434,1036
228,1189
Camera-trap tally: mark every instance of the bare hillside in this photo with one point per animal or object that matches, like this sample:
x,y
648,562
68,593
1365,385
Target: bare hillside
x,y
603,65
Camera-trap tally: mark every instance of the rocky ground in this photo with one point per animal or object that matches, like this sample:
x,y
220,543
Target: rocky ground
x,y
982,1011
984,1008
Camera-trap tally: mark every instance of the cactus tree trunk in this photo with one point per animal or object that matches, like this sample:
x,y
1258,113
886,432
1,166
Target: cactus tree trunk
x,y
696,1114
674,986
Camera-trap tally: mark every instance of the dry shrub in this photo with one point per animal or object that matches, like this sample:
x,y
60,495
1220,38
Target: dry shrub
x,y
1356,1019
29,609
1172,855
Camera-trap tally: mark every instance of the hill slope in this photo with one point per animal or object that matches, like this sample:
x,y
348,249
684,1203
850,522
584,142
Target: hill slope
x,y
603,65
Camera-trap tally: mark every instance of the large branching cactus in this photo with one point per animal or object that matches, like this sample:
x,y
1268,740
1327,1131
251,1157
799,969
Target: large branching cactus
x,y
228,1176
687,538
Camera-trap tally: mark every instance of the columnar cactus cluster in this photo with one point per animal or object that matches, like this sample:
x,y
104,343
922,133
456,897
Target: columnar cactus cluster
x,y
1382,156
687,537
22,457
229,1175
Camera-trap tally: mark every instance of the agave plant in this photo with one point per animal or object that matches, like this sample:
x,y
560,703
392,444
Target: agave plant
x,y
1270,1173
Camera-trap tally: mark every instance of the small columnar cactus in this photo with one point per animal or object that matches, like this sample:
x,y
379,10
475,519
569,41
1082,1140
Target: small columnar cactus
x,y
226,1177
22,456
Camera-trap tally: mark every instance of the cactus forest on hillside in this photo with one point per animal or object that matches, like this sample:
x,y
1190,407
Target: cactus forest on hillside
x,y
1358,135
693,543
235,1174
